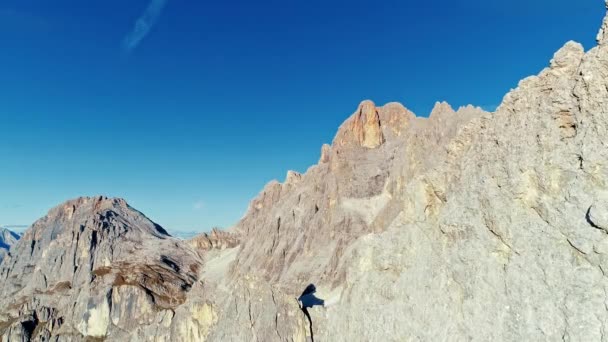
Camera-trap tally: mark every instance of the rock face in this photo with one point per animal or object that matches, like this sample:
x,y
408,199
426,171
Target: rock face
x,y
365,127
217,239
465,225
7,239
91,268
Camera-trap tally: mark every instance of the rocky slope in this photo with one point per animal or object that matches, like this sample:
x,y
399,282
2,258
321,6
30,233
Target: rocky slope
x,y
216,239
465,225
91,268
7,239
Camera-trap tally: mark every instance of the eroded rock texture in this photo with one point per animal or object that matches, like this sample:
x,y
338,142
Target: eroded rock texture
x,y
466,225
7,239
217,239
91,268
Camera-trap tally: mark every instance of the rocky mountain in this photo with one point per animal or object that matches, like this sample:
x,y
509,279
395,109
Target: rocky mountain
x,y
7,239
216,239
184,235
465,225
90,263
19,229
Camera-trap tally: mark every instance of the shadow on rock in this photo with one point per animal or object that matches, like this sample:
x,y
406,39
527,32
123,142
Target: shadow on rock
x,y
308,300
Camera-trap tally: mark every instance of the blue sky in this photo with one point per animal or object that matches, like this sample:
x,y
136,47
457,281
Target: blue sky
x,y
190,115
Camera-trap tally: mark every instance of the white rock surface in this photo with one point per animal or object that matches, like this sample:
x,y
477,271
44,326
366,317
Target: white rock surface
x,y
7,240
466,226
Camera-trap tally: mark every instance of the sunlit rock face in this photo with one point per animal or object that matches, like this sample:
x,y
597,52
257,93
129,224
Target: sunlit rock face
x,y
216,239
91,266
465,225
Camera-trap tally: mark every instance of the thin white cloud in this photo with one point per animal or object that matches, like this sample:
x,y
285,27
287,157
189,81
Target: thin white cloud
x,y
144,24
198,205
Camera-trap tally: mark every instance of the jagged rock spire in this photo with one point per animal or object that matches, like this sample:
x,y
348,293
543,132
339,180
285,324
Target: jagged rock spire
x,y
366,126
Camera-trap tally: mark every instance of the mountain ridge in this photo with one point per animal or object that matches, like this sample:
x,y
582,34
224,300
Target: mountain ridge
x,y
463,225
7,239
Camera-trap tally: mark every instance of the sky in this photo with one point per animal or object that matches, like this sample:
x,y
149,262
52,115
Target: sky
x,y
188,108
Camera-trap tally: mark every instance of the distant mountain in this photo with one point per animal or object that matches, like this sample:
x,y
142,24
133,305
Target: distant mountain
x,y
216,239
19,229
104,247
184,235
7,240
465,225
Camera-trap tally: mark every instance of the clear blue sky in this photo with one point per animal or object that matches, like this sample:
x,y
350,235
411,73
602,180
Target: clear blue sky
x,y
190,121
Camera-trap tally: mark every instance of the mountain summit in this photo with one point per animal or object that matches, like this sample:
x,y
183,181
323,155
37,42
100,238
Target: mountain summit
x,y
7,239
92,263
466,225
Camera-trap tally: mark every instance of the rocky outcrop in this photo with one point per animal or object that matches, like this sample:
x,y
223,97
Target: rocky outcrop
x,y
363,128
325,151
7,239
89,269
370,126
366,126
466,225
216,239
353,191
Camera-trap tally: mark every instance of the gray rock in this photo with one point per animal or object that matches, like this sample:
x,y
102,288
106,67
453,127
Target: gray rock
x,y
216,239
598,215
466,225
91,267
7,240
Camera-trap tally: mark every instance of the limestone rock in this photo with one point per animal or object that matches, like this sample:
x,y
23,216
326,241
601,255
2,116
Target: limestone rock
x,y
442,109
90,266
325,153
363,128
466,225
598,215
7,239
366,126
217,239
292,178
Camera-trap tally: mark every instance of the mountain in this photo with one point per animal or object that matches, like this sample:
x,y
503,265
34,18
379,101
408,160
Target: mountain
x,y
465,225
185,235
19,229
91,263
7,239
216,239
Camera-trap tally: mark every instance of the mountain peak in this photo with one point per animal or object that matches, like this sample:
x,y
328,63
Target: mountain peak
x,y
292,177
467,225
568,57
442,108
96,203
105,248
362,129
7,240
366,125
76,213
371,126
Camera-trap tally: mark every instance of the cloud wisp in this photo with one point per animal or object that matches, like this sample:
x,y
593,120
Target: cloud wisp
x,y
143,25
198,206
